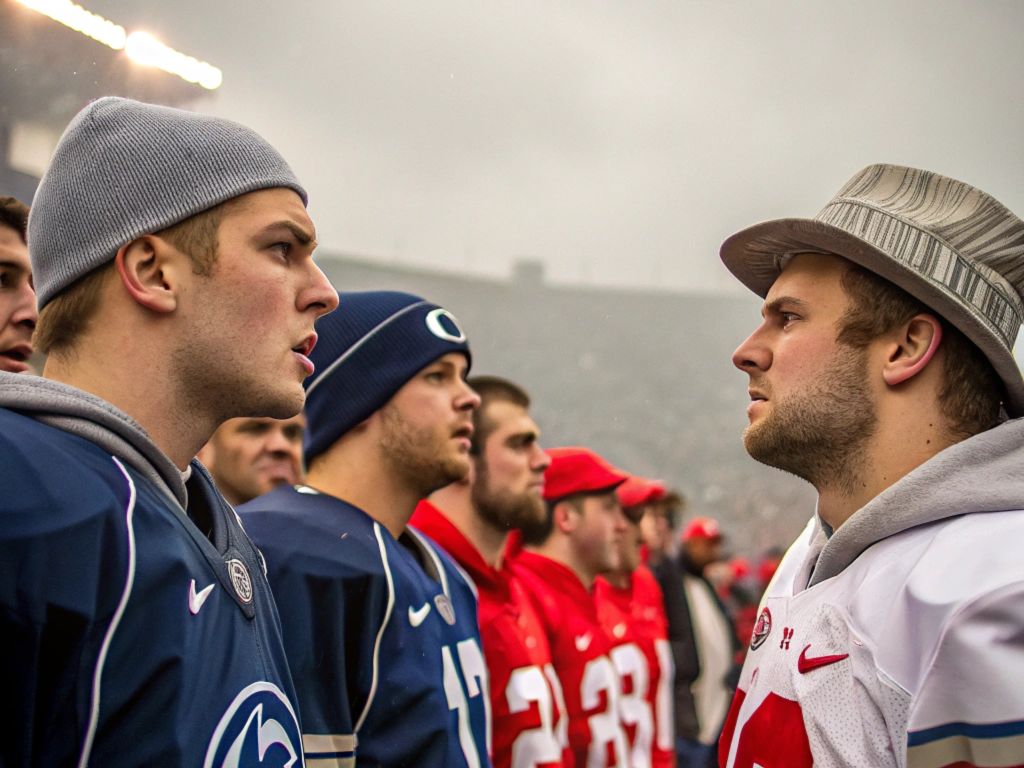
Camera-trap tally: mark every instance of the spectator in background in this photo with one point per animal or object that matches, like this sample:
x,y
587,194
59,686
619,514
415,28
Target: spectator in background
x,y
248,457
472,519
631,610
657,526
701,637
17,296
562,557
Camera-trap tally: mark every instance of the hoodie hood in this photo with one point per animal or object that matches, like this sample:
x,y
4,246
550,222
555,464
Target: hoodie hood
x,y
980,474
79,413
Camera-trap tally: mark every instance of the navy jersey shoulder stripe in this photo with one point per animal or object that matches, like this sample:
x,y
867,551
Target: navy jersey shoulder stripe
x,y
94,714
383,626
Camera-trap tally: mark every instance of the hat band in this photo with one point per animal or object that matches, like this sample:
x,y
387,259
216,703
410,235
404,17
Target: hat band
x,y
365,338
977,284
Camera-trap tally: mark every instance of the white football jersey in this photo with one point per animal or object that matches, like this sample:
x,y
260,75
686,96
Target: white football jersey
x,y
911,656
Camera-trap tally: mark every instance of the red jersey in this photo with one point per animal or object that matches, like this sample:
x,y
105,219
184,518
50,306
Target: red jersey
x,y
530,728
579,648
634,620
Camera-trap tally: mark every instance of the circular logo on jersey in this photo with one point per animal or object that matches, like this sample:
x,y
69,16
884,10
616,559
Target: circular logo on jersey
x,y
259,729
762,629
443,324
240,578
445,608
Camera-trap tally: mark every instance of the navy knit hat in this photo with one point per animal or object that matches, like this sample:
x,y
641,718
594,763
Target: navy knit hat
x,y
366,350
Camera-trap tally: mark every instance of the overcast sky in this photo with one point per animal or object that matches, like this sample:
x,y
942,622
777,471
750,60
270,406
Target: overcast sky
x,y
619,142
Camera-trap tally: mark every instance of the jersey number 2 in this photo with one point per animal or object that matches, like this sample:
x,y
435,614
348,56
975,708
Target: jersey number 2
x,y
544,744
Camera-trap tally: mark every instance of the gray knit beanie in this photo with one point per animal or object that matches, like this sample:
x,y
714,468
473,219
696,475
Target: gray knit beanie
x,y
124,169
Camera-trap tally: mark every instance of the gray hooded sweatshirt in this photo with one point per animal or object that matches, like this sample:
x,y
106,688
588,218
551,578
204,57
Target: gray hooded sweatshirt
x,y
984,473
87,416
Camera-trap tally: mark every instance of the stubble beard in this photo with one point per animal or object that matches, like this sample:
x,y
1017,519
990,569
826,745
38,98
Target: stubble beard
x,y
418,456
821,435
502,509
217,379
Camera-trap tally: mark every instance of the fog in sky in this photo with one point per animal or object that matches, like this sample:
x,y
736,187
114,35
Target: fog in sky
x,y
618,142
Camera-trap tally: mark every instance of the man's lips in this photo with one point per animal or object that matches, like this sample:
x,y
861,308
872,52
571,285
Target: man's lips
x,y
756,398
14,358
464,435
302,351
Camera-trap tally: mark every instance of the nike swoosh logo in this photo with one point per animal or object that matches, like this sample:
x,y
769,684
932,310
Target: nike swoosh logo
x,y
583,641
195,601
805,664
416,617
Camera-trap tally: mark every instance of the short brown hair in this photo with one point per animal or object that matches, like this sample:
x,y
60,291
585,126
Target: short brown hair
x,y
66,316
492,389
972,393
14,214
672,506
537,533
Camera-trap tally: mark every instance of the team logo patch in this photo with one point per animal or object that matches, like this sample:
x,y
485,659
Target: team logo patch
x,y
240,578
258,729
449,329
762,629
445,608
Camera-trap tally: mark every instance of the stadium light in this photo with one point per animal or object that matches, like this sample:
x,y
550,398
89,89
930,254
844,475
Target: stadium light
x,y
140,47
75,16
146,49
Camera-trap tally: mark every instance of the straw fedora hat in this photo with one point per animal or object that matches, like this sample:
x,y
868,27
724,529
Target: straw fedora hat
x,y
957,249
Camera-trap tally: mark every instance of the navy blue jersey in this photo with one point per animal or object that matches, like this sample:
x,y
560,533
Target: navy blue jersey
x,y
382,636
127,637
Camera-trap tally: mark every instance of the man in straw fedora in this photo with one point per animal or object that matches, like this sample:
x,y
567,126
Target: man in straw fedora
x,y
882,373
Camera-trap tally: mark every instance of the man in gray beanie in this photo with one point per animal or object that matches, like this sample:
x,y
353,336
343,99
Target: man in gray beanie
x,y
882,373
380,625
172,260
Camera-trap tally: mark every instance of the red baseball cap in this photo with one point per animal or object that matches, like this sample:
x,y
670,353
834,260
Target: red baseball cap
x,y
702,528
639,490
579,470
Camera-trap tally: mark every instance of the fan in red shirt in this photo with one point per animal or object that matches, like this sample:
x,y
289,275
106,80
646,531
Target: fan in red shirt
x,y
472,519
578,540
631,609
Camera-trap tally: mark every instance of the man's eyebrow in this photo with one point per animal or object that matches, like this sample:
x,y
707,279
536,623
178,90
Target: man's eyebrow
x,y
13,265
776,304
304,237
527,435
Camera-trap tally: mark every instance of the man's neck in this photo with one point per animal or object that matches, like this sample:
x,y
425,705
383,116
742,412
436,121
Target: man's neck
x,y
899,447
456,502
620,579
559,548
363,479
113,375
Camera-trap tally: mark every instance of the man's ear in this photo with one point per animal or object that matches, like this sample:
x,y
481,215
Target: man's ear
x,y
151,271
911,352
564,517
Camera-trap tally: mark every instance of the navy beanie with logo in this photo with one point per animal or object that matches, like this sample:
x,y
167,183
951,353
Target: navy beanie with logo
x,y
366,350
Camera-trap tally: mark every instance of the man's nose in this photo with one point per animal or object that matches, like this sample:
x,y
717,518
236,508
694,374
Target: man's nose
x,y
752,354
26,313
319,295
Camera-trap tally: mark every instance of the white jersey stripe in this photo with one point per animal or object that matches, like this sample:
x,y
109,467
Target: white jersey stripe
x,y
383,626
94,713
